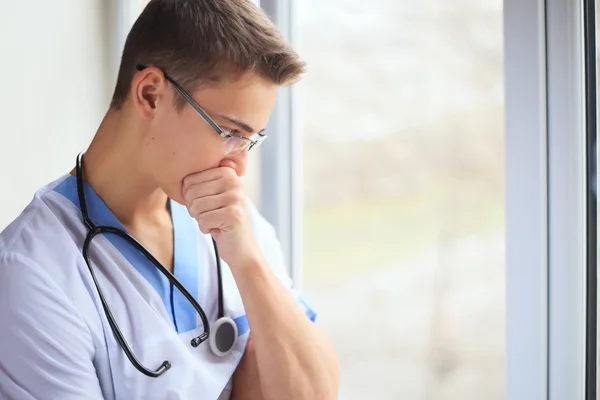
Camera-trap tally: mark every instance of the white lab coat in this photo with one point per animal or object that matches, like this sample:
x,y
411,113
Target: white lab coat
x,y
55,340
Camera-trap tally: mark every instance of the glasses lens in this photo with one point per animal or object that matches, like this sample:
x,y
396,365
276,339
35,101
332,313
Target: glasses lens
x,y
235,145
257,143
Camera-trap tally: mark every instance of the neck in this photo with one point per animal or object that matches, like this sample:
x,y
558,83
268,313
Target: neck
x,y
114,169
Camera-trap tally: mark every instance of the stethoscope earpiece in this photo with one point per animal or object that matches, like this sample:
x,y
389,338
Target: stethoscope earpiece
x,y
223,337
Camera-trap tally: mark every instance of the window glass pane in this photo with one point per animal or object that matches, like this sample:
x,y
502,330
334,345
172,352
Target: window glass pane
x,y
403,124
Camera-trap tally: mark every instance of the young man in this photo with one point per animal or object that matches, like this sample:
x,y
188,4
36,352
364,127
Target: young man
x,y
87,312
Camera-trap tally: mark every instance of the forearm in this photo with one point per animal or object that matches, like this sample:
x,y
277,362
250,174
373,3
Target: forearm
x,y
295,360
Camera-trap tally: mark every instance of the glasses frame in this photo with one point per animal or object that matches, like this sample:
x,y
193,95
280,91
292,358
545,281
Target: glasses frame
x,y
251,142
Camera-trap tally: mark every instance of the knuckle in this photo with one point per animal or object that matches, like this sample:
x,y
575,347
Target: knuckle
x,y
188,182
229,172
193,207
191,212
238,182
233,196
231,181
196,209
189,192
240,196
236,212
204,228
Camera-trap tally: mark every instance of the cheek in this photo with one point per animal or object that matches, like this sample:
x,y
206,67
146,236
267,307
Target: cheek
x,y
182,145
184,155
161,137
173,138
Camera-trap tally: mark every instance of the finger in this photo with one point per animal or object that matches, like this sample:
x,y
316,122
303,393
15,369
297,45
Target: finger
x,y
211,220
200,205
212,188
221,219
207,176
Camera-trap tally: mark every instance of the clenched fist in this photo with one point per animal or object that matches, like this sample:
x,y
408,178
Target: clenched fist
x,y
216,199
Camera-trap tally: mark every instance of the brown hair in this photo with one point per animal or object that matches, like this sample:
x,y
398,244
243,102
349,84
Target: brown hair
x,y
205,41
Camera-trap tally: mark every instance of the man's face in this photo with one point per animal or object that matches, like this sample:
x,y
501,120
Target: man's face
x,y
180,143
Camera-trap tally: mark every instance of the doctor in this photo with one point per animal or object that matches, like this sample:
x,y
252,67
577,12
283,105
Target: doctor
x,y
145,273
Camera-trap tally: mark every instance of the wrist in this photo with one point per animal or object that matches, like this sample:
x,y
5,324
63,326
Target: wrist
x,y
253,265
252,260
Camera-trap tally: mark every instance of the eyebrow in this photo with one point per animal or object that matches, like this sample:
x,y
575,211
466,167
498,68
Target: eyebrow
x,y
239,124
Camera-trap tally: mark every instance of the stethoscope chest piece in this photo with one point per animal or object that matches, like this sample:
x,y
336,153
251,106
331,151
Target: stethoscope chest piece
x,y
223,337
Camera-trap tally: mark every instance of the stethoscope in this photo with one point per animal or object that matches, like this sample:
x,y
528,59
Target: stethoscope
x,y
221,341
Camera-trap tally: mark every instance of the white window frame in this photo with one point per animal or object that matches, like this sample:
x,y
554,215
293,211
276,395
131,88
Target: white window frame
x,y
124,13
281,156
545,199
566,199
526,200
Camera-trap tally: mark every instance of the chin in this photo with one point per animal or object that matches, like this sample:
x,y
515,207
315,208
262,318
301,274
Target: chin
x,y
174,193
178,200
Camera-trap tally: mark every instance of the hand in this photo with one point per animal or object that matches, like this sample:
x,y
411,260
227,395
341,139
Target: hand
x,y
246,382
216,199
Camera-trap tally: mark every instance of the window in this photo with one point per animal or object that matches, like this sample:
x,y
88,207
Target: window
x,y
403,127
402,116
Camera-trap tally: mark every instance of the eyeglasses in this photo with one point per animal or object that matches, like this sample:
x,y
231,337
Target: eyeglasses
x,y
233,144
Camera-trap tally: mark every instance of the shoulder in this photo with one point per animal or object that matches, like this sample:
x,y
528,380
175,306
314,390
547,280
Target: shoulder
x,y
37,247
36,268
32,297
38,222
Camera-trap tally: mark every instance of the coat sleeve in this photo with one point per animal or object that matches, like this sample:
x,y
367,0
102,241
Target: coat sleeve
x,y
46,349
268,242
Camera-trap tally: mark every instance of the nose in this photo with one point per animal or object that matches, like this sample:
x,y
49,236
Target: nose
x,y
238,162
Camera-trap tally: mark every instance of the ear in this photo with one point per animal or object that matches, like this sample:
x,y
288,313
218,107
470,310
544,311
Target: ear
x,y
148,90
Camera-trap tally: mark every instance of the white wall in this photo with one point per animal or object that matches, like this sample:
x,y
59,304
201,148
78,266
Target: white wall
x,y
56,70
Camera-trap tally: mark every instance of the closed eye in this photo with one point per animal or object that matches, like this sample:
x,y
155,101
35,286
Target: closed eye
x,y
230,132
244,134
